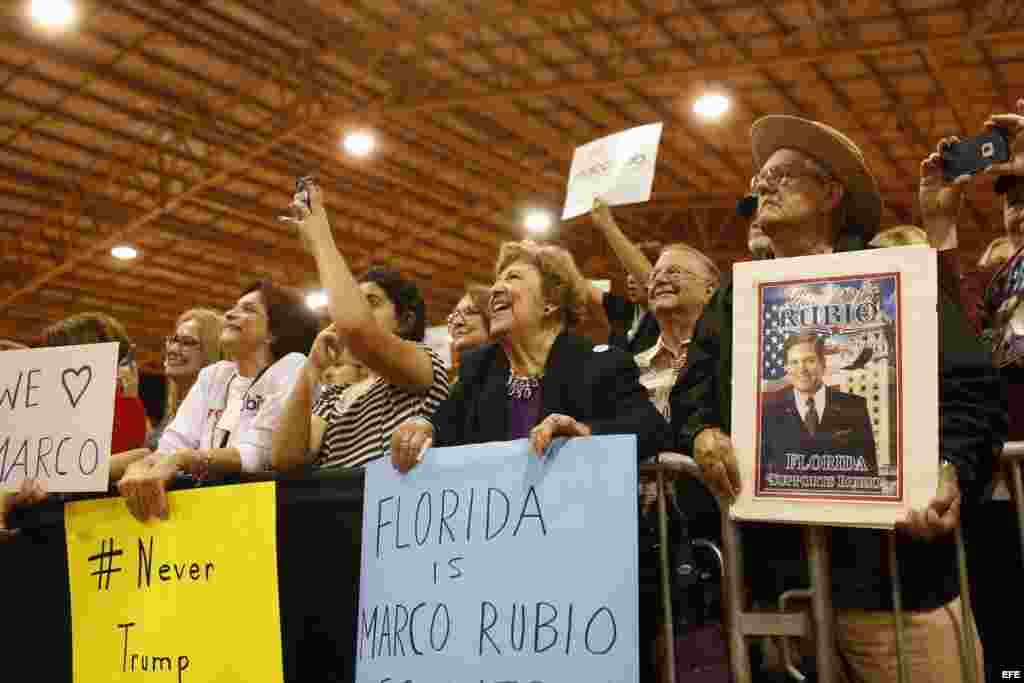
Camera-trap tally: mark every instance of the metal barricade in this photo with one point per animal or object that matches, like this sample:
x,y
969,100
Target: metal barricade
x,y
820,621
1013,455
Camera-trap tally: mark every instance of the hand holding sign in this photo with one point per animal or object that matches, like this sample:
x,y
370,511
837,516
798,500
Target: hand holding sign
x,y
32,493
409,442
144,486
619,168
553,426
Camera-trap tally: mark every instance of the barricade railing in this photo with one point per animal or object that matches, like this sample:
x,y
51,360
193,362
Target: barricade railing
x,y
819,623
1013,455
739,623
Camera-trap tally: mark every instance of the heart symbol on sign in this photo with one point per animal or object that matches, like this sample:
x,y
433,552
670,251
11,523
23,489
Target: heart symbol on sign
x,y
72,380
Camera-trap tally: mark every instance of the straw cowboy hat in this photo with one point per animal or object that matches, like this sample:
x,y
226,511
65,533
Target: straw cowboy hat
x,y
836,151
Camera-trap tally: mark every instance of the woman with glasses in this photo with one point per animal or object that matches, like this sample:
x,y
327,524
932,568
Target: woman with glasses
x,y
224,426
469,324
194,345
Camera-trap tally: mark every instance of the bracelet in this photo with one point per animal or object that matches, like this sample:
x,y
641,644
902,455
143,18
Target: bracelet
x,y
422,420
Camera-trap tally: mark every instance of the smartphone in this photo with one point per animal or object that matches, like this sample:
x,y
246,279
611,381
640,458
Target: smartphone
x,y
972,155
129,358
302,188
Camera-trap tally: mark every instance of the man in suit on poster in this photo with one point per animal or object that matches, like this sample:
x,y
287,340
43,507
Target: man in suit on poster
x,y
812,429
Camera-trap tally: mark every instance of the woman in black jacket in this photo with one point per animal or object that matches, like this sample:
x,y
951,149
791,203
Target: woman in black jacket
x,y
537,380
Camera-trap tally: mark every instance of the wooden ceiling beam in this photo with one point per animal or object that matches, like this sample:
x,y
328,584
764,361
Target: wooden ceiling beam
x,y
676,156
283,188
262,220
793,58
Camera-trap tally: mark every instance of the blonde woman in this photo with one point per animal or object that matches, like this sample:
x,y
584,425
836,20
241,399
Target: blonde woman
x,y
194,345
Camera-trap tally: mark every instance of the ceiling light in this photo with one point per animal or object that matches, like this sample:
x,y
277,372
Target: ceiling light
x,y
359,144
316,300
711,106
537,221
54,14
124,252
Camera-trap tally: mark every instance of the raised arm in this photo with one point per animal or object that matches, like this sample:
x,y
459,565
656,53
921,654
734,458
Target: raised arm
x,y
398,361
629,255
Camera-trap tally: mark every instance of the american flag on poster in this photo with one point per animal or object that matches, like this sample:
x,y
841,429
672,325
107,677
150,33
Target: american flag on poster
x,y
837,311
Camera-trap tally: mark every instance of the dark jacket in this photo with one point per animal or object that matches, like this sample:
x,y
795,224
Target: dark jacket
x,y
599,388
620,314
844,429
972,423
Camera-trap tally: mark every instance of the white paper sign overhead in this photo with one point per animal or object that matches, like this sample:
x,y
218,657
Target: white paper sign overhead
x,y
618,168
57,416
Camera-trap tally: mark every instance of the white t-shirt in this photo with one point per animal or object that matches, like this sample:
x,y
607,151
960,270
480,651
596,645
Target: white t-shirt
x,y
206,411
227,425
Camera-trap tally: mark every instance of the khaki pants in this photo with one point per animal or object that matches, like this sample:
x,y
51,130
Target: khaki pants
x,y
867,646
932,645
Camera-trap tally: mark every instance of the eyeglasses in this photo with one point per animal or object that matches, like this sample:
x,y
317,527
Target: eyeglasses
x,y
462,314
674,273
783,175
183,342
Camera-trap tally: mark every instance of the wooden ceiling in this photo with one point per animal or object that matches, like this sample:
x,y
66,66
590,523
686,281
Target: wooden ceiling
x,y
179,127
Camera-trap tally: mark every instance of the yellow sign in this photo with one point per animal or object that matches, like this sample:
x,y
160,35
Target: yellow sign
x,y
193,598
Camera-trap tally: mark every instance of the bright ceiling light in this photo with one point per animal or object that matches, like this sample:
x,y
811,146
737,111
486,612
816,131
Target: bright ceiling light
x,y
316,300
359,144
711,106
537,221
124,252
53,14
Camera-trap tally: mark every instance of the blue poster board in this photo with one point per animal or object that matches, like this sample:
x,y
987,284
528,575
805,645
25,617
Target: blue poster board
x,y
487,563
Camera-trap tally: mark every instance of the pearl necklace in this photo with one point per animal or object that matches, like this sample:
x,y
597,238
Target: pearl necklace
x,y
522,388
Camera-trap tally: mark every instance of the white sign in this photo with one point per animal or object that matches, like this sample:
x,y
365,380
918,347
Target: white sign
x,y
487,563
618,168
57,416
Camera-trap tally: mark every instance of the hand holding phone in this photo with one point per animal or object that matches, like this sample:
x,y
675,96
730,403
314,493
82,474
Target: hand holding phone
x,y
302,184
968,157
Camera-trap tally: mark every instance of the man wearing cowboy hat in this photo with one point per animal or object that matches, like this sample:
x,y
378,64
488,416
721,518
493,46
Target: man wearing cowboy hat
x,y
816,197
992,297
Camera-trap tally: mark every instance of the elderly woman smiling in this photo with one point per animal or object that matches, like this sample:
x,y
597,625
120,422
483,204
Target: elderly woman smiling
x,y
469,324
537,379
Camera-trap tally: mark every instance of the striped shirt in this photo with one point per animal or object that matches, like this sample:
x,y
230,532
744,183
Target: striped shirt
x,y
361,417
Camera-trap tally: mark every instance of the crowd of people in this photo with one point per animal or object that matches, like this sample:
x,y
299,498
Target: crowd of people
x,y
262,390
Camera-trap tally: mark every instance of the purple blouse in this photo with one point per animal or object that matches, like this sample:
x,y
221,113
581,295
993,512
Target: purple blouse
x,y
523,415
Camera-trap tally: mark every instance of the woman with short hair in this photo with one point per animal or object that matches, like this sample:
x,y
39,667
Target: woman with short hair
x,y
537,379
224,426
381,320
